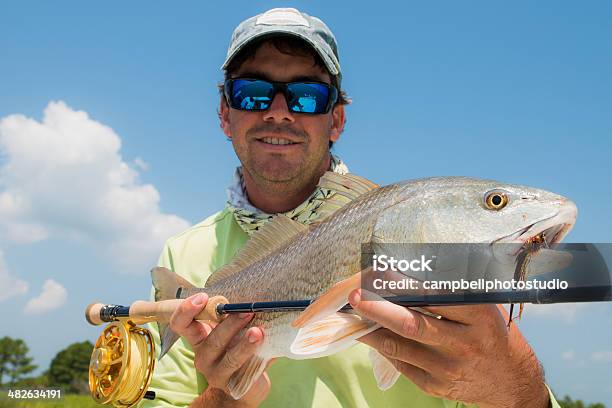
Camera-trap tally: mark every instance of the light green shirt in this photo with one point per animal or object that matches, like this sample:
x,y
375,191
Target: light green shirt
x,y
344,379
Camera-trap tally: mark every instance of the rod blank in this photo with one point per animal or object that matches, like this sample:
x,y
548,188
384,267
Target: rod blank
x,y
537,296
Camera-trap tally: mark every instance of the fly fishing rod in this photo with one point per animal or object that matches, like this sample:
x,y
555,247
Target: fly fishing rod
x,y
536,296
123,358
218,306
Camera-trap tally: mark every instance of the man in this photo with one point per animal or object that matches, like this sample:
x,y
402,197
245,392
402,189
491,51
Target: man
x,y
282,108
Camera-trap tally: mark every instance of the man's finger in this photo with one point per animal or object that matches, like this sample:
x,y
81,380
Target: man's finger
x,y
219,339
421,378
196,332
469,314
405,322
395,347
187,310
238,355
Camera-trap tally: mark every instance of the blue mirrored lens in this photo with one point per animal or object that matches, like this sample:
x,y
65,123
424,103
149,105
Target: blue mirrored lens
x,y
251,94
307,98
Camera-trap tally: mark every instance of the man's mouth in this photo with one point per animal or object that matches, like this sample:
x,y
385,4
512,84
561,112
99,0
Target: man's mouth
x,y
276,141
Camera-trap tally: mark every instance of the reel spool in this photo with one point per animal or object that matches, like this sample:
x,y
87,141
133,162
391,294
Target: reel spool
x,y
121,364
123,359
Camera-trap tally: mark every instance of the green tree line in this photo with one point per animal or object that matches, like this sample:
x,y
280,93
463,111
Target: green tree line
x,y
68,369
567,402
14,362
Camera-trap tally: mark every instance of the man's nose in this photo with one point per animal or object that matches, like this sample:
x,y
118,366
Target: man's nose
x,y
278,111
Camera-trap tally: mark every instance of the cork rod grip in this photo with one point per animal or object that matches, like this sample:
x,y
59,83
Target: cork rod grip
x,y
143,312
92,313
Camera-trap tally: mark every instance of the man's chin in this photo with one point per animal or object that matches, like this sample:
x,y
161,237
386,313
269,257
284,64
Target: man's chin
x,y
278,176
279,172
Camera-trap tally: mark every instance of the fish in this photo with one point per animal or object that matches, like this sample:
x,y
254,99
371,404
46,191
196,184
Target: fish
x,y
288,260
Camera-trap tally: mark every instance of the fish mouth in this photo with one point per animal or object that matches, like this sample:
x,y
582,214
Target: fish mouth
x,y
535,235
544,232
539,236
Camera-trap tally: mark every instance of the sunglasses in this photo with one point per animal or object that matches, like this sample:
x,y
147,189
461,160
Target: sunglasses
x,y
302,97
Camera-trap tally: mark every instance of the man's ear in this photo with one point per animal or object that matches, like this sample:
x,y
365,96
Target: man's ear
x,y
224,111
338,120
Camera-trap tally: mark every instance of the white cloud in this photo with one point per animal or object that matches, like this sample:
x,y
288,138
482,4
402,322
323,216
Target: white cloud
x,y
565,312
65,177
141,164
10,286
568,355
604,356
53,296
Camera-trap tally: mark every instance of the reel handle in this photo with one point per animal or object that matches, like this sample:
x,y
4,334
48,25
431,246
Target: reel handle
x,y
143,311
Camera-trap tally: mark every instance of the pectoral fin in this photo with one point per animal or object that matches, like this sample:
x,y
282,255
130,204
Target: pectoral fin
x,y
331,301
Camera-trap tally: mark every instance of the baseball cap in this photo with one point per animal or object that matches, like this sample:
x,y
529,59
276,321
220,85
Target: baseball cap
x,y
288,21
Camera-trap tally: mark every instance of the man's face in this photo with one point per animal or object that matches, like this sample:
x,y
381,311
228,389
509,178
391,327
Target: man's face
x,y
253,133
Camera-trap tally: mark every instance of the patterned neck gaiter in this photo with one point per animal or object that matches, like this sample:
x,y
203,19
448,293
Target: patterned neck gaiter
x,y
251,219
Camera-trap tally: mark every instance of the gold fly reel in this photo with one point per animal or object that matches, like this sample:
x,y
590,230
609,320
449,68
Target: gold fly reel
x,y
121,364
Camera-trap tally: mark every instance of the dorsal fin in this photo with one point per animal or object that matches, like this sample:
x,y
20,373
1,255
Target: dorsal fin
x,y
273,235
345,187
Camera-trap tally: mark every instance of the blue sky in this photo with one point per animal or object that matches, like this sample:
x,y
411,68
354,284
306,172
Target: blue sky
x,y
517,92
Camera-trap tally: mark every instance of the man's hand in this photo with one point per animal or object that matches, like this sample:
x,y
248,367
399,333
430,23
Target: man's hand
x,y
467,356
219,352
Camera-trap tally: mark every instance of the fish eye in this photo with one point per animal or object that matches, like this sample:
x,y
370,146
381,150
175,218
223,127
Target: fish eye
x,y
495,200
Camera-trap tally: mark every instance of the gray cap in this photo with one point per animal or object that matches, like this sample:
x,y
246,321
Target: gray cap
x,y
287,21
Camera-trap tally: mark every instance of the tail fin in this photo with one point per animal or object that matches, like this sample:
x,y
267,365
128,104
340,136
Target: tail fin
x,y
167,339
167,284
